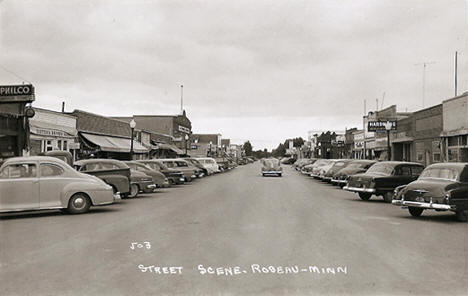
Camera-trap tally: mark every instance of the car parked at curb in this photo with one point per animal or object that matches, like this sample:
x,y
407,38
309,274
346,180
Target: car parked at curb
x,y
188,171
101,168
337,165
158,178
382,178
41,182
197,164
209,164
355,167
174,176
440,187
111,172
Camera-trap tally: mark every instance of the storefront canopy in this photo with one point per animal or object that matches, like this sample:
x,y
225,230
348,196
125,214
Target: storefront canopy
x,y
168,147
114,144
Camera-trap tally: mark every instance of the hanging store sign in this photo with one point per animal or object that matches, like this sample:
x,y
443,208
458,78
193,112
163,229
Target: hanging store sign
x,y
379,126
184,129
16,93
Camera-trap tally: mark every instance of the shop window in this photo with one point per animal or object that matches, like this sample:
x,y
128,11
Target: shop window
x,y
65,145
453,155
419,156
47,145
453,141
436,157
463,140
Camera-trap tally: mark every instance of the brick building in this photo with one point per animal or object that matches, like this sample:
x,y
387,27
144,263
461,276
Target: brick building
x,y
455,128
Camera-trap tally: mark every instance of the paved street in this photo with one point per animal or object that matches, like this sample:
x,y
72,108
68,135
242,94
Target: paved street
x,y
236,219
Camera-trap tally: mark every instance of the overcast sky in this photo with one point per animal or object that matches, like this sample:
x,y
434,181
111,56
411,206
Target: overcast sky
x,y
258,70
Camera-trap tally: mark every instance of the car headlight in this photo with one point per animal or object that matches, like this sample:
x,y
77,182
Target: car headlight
x,y
447,197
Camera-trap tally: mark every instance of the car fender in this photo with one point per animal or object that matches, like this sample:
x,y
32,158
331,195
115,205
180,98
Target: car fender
x,y
84,186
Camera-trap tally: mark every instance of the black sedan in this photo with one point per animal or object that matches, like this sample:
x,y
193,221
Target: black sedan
x,y
382,178
441,187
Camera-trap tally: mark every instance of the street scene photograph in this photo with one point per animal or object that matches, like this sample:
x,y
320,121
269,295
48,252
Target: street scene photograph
x,y
215,147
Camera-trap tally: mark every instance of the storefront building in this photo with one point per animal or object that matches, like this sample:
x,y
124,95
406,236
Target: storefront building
x,y
402,142
51,130
206,145
455,129
15,110
175,126
358,144
105,137
427,127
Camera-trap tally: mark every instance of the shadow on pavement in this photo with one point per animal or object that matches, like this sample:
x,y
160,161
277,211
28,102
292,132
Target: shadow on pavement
x,y
51,213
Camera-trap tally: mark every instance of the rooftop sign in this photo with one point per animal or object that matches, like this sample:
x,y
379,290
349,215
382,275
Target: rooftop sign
x,y
381,125
16,93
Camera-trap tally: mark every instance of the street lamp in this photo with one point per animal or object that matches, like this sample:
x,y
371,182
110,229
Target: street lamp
x,y
132,127
388,127
186,139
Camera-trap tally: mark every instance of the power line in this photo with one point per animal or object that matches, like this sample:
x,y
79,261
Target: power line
x,y
14,74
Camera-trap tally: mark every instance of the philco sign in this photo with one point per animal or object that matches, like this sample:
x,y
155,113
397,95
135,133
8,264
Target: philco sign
x,y
17,93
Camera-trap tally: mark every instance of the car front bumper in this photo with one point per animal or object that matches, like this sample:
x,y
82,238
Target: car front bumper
x,y
271,172
359,189
339,181
424,205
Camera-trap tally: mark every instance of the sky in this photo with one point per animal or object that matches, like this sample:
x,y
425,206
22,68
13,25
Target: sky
x,y
262,71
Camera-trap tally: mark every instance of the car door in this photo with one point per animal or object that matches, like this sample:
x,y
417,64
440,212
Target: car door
x,y
51,184
19,187
404,175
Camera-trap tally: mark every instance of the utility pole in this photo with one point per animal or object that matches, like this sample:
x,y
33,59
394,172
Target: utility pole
x,y
424,64
181,99
364,131
456,70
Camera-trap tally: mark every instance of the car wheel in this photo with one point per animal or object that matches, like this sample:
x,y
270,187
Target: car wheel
x,y
365,195
263,175
415,212
134,189
79,203
341,186
388,197
462,216
279,175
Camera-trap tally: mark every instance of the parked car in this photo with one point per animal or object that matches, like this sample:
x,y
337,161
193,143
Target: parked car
x,y
110,171
174,176
158,178
309,169
288,160
318,169
355,167
271,166
209,164
223,163
106,169
440,187
188,171
41,182
298,165
197,164
382,178
62,155
337,165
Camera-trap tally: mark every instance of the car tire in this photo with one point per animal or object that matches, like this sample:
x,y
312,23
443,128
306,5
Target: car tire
x,y
462,216
263,175
415,212
388,197
79,203
279,175
134,189
365,195
341,186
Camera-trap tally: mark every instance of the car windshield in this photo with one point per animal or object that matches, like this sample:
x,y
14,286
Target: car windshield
x,y
440,173
181,164
271,162
381,168
169,164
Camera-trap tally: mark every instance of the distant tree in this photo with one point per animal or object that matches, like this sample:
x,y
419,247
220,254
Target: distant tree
x,y
248,148
280,151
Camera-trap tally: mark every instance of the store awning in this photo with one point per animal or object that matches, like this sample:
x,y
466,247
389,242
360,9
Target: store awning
x,y
51,130
114,144
403,140
168,147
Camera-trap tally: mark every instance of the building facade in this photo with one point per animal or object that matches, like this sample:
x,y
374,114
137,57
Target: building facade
x,y
455,129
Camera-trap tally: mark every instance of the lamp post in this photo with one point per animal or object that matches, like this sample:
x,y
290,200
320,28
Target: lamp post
x,y
186,139
132,127
388,127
